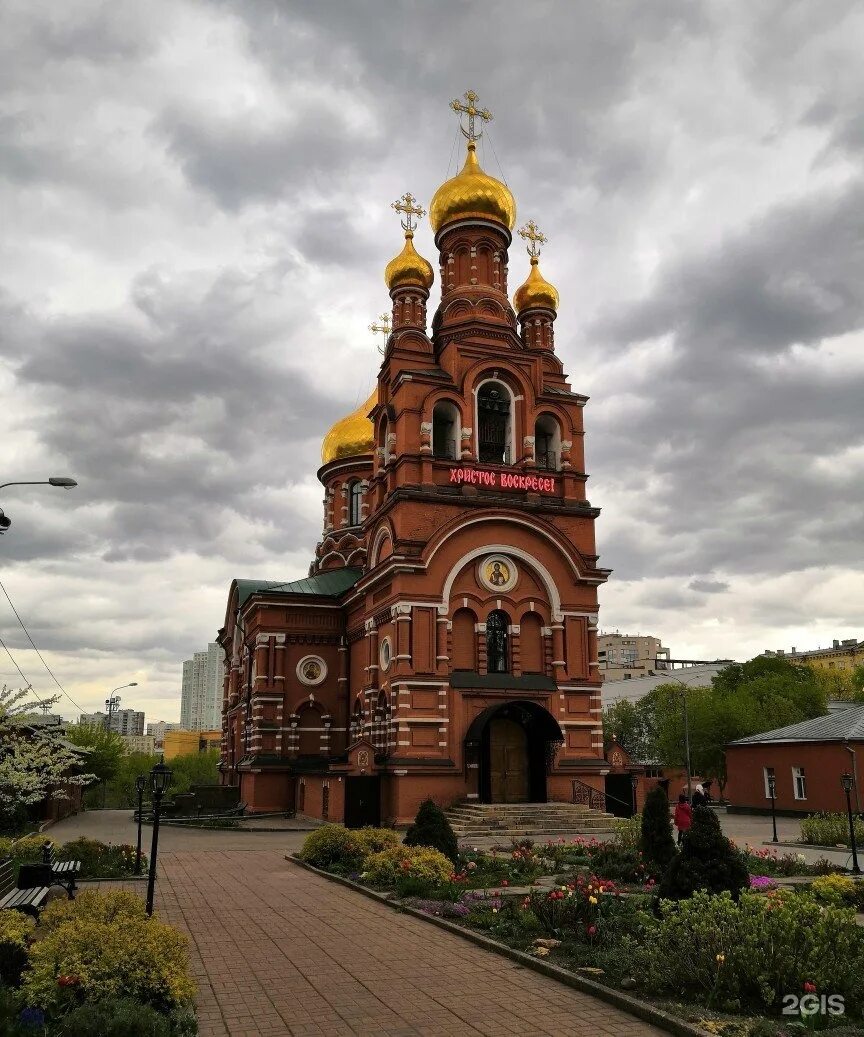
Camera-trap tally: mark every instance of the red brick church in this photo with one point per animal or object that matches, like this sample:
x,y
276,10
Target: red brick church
x,y
444,642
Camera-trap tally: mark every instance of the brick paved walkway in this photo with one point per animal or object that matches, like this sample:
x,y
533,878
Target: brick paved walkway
x,y
276,950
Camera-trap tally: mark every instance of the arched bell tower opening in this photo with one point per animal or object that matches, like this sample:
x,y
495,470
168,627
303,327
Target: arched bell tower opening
x,y
512,746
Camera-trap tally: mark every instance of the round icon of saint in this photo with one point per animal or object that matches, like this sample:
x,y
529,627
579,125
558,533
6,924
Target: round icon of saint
x,y
312,671
498,573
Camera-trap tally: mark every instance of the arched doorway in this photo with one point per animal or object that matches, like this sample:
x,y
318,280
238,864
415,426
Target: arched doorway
x,y
511,745
509,772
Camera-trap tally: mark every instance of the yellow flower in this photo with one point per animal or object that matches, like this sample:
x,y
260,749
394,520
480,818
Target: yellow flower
x,y
592,900
721,958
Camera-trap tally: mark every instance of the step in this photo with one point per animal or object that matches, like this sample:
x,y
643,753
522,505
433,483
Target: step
x,y
546,835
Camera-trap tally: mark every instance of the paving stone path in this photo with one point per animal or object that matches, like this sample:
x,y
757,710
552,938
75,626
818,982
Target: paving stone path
x,y
278,950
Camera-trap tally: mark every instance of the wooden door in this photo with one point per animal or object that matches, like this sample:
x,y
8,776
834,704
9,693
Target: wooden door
x,y
508,758
362,802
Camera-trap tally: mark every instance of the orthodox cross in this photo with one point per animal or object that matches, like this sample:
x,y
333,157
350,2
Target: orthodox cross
x,y
473,112
382,329
411,207
531,233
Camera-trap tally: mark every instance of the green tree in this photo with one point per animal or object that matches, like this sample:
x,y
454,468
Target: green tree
x,y
657,843
105,749
707,861
431,828
622,723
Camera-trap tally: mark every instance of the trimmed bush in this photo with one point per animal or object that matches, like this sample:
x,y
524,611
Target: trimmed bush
x,y
122,1018
657,843
408,862
98,859
710,948
835,889
707,861
374,840
91,906
335,848
15,932
87,960
431,828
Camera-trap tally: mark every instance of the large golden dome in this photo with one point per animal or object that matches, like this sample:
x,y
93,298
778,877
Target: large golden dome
x,y
351,435
535,291
408,268
472,193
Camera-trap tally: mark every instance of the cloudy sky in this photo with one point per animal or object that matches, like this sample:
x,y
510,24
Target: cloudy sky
x,y
195,203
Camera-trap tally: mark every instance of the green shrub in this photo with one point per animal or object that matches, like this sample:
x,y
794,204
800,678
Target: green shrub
x,y
711,948
830,829
122,1018
628,832
100,860
84,959
335,848
373,840
15,932
707,861
92,906
409,862
657,844
431,828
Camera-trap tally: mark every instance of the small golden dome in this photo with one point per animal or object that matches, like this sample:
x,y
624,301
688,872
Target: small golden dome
x,y
536,291
351,435
408,268
472,193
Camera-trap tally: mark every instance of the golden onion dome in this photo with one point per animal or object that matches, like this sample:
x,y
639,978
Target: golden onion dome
x,y
408,268
351,435
536,291
472,193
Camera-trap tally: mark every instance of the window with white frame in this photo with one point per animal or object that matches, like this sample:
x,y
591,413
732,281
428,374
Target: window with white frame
x,y
767,775
799,783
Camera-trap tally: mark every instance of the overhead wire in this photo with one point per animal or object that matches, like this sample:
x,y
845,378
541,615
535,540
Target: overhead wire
x,y
36,650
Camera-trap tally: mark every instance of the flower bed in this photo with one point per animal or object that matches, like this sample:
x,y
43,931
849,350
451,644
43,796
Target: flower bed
x,y
730,961
95,965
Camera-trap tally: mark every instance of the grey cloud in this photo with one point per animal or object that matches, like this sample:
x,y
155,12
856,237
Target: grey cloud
x,y
708,586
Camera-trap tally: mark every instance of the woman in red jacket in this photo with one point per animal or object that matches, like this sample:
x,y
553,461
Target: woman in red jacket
x,y
683,816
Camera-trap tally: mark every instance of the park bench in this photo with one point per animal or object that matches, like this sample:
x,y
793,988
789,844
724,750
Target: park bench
x,y
62,872
28,897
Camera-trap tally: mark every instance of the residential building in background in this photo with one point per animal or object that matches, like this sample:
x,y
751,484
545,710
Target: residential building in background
x,y
201,695
631,689
157,730
139,743
184,743
629,655
842,655
123,721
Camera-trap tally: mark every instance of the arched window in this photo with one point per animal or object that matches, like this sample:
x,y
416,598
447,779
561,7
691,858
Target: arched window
x,y
445,430
547,443
495,423
355,498
464,640
497,642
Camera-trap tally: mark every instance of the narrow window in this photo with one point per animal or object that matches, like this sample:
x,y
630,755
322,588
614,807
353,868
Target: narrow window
x,y
355,496
547,443
445,430
767,774
497,642
799,781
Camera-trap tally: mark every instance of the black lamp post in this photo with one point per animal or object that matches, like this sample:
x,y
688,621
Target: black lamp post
x,y
140,785
772,792
848,781
634,784
160,779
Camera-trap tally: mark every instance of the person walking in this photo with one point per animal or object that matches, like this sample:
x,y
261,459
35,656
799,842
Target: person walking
x,y
698,799
683,816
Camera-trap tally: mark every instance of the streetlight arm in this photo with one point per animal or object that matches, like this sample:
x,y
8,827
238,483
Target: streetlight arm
x,y
56,480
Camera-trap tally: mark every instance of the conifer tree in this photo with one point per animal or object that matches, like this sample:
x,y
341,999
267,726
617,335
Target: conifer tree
x,y
707,861
657,845
431,828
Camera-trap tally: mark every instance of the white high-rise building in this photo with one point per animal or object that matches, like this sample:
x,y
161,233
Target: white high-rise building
x,y
123,721
201,697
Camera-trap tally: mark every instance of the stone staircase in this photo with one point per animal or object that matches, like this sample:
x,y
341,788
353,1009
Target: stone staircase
x,y
531,820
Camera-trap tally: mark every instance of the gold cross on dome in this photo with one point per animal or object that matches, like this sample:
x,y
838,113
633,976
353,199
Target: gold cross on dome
x,y
382,329
473,112
531,233
411,207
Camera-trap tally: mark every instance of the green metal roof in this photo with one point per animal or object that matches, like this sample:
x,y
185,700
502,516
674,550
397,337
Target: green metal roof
x,y
328,584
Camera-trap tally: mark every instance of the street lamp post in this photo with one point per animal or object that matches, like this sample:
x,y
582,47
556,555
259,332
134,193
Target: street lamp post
x,y
54,480
140,785
112,703
848,781
684,686
772,792
160,780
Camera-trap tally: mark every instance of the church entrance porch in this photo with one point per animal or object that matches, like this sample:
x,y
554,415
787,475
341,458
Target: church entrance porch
x,y
510,745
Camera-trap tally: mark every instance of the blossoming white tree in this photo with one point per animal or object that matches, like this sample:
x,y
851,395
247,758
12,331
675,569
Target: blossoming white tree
x,y
35,762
